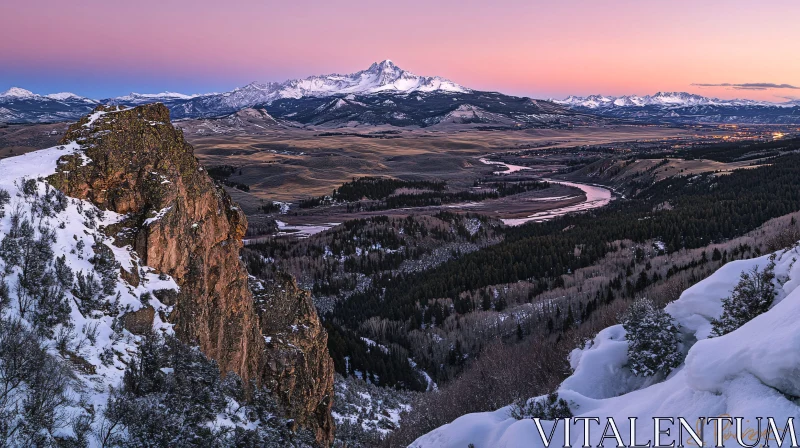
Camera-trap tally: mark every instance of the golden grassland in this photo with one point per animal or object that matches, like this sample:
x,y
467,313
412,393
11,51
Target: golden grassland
x,y
289,164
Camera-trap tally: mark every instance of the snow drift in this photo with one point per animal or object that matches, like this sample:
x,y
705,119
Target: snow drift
x,y
750,372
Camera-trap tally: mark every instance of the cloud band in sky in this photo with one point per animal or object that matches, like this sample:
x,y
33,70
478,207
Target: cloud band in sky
x,y
750,86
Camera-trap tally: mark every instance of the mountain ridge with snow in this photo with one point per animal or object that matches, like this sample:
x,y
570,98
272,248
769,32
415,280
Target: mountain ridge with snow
x,y
18,93
385,78
24,106
685,108
380,77
660,99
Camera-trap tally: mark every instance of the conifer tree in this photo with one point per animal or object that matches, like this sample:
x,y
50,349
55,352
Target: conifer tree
x,y
753,295
652,339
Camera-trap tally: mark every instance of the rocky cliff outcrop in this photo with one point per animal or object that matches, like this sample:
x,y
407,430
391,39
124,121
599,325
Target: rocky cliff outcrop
x,y
179,222
297,360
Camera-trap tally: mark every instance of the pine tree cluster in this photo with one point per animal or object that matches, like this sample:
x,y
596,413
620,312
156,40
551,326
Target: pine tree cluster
x,y
174,396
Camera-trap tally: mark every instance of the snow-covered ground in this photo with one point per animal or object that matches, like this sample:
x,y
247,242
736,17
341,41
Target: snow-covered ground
x,y
750,372
375,409
77,236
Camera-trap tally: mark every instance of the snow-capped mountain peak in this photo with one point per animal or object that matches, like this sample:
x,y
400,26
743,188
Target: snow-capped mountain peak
x,y
141,98
384,65
19,105
659,99
16,92
61,96
684,107
680,98
382,76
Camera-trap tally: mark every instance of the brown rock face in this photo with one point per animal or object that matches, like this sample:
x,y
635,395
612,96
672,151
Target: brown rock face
x,y
139,322
180,223
296,349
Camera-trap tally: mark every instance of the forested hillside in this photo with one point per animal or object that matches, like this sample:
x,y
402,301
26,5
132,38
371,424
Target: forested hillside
x,y
413,301
702,209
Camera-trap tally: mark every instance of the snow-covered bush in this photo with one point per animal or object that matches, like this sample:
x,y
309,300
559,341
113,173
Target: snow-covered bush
x,y
173,395
5,294
34,387
365,413
51,308
753,295
652,339
10,250
88,292
550,407
4,200
63,272
106,266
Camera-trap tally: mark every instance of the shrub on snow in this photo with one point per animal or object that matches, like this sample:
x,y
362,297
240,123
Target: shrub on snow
x,y
546,408
652,339
753,295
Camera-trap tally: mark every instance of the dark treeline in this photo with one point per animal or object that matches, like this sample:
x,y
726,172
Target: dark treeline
x,y
371,188
379,365
426,198
221,173
732,151
423,199
376,188
511,188
380,193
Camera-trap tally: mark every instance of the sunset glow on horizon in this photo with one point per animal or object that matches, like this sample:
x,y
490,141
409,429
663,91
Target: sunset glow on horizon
x,y
532,48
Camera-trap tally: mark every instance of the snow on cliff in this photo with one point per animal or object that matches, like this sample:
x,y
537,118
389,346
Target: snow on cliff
x,y
77,235
751,372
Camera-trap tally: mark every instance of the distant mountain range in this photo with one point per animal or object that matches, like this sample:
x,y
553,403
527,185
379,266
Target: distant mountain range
x,y
660,99
386,94
383,94
682,107
23,106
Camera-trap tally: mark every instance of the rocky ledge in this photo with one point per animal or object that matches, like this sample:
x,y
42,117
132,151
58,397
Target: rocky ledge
x,y
181,223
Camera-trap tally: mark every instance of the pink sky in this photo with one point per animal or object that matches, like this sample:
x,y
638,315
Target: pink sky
x,y
535,48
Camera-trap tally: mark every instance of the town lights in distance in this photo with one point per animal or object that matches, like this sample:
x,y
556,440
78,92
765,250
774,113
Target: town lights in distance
x,y
669,432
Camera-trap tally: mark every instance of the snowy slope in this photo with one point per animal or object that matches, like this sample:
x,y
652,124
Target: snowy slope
x,y
89,329
77,235
751,372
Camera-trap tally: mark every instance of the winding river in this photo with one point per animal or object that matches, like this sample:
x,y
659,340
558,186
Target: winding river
x,y
595,197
